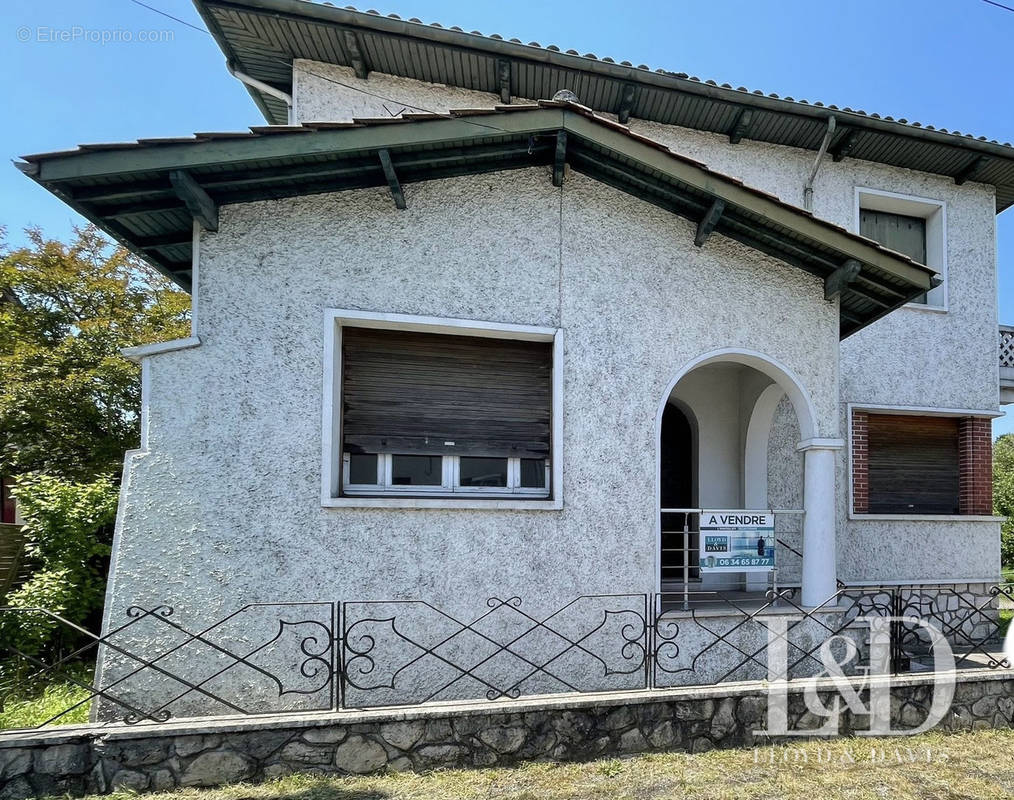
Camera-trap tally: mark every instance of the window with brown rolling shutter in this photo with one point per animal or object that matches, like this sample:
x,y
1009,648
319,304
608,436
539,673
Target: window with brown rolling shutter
x,y
437,394
913,464
899,232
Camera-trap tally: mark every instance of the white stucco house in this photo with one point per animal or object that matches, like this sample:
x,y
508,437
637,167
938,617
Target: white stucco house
x,y
477,318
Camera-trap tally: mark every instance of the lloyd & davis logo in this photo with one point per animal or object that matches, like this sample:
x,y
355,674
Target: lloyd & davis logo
x,y
845,680
744,541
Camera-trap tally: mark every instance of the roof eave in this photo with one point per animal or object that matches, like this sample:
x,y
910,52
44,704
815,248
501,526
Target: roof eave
x,y
677,183
660,78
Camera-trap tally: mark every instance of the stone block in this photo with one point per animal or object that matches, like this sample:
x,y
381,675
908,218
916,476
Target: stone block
x,y
329,735
163,780
14,761
139,753
619,719
693,709
17,789
441,755
571,725
752,711
63,759
301,753
664,735
438,731
404,734
983,708
192,745
503,739
723,722
632,741
215,768
359,755
129,780
537,745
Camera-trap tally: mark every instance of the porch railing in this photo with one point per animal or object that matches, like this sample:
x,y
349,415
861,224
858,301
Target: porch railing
x,y
683,540
318,656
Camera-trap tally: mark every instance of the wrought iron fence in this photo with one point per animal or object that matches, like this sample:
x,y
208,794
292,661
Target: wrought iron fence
x,y
297,657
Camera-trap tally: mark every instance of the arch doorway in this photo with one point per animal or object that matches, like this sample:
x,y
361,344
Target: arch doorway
x,y
728,433
678,489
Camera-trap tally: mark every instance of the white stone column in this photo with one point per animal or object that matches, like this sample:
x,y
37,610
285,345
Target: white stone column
x,y
819,520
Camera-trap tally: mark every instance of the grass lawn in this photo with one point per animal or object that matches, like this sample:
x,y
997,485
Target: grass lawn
x,y
928,767
28,709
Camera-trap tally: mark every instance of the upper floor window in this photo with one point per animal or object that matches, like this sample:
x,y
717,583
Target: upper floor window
x,y
909,225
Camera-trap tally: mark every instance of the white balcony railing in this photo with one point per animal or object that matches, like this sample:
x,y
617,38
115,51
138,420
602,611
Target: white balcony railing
x,y
1006,364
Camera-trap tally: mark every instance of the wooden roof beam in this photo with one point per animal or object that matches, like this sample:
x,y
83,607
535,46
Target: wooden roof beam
x,y
356,58
707,224
164,240
560,158
392,179
503,80
970,170
626,104
198,202
844,145
837,281
741,126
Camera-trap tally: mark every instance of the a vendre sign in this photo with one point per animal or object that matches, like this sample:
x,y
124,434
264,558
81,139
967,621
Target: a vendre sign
x,y
737,541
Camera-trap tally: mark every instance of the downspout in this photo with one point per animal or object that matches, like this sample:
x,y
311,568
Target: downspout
x,y
260,86
808,189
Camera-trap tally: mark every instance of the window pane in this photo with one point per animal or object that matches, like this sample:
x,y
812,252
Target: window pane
x,y
416,470
483,472
533,473
363,468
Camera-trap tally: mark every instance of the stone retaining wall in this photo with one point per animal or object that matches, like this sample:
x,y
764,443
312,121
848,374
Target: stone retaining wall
x,y
211,752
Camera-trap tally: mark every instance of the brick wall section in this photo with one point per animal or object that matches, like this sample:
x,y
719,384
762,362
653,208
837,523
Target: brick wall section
x,y
975,452
860,463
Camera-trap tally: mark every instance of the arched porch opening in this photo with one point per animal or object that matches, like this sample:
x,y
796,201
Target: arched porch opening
x,y
737,431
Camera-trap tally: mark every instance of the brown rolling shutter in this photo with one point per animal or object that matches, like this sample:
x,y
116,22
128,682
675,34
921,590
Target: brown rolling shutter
x,y
913,464
899,232
426,393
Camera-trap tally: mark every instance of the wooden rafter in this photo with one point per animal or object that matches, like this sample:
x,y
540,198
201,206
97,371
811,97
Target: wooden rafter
x,y
198,202
837,281
626,103
560,158
741,126
392,179
707,224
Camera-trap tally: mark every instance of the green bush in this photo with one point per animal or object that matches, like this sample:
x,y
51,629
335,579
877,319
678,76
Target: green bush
x,y
68,531
1003,495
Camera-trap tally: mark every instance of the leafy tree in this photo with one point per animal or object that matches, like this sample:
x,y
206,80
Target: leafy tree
x,y
68,531
69,402
1003,495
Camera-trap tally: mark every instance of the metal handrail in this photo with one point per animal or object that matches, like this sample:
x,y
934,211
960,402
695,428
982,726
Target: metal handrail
x,y
687,549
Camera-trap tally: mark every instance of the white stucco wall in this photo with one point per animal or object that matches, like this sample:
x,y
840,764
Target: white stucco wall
x,y
331,93
224,506
913,357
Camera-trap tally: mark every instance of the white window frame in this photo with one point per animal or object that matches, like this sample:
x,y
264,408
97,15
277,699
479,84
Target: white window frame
x,y
334,494
935,214
450,482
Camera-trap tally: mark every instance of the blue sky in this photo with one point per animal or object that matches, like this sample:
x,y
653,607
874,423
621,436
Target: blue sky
x,y
941,62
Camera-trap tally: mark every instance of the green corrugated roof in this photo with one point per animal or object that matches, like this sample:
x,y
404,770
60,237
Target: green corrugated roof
x,y
126,189
261,37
